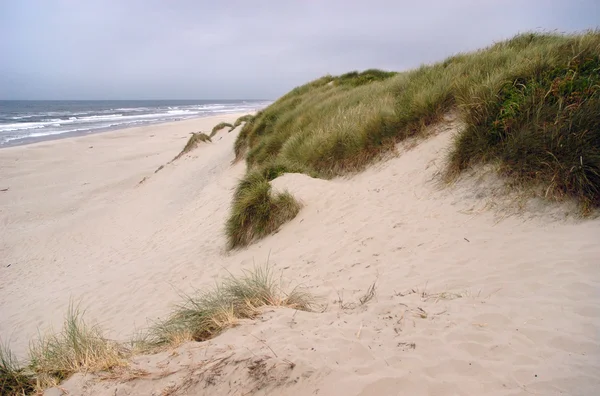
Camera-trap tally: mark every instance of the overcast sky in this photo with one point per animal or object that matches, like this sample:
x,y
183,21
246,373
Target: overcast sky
x,y
219,49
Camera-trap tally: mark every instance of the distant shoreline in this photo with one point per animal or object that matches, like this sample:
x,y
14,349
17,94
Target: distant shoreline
x,y
23,123
69,135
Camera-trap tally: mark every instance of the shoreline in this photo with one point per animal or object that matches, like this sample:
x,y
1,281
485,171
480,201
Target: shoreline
x,y
68,135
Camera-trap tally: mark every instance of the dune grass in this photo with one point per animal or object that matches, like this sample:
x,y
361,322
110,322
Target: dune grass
x,y
193,142
208,313
529,104
77,347
240,120
220,126
256,211
542,127
14,379
81,347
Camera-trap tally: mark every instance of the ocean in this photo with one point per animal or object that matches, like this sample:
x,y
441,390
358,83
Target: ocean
x,y
23,122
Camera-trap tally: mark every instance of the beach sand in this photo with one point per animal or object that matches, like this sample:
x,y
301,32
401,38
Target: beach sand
x,y
474,295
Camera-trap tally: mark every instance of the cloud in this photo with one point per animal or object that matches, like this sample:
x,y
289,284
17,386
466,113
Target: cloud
x,y
151,49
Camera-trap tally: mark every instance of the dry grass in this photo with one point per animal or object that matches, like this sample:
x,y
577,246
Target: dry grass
x,y
77,347
362,300
369,295
80,347
208,313
427,296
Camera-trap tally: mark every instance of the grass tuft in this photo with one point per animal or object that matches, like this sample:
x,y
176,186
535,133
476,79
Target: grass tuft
x,y
208,313
14,379
77,347
193,142
240,120
80,347
256,212
220,126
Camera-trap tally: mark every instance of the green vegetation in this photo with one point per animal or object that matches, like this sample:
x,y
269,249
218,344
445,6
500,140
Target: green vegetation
x,y
220,126
78,347
14,379
238,122
530,105
543,128
193,142
355,79
256,212
207,314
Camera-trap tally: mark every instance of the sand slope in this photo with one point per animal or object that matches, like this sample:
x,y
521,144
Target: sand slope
x,y
469,300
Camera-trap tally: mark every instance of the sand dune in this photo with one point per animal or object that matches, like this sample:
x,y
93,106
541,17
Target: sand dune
x,y
472,296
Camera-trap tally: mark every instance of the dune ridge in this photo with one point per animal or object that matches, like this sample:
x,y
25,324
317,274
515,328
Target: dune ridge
x,y
424,262
463,300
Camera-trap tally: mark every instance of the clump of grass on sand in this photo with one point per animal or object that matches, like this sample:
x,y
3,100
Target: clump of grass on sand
x,y
530,104
240,120
542,125
208,313
80,347
256,211
220,126
192,143
14,379
77,347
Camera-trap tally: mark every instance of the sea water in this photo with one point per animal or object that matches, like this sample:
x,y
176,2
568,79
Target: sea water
x,y
24,122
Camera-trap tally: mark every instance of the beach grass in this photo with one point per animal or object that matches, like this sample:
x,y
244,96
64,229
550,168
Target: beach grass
x,y
529,104
257,211
220,126
542,126
14,379
240,120
81,347
207,313
195,139
77,347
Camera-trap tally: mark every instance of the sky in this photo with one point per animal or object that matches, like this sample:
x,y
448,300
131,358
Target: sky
x,y
245,49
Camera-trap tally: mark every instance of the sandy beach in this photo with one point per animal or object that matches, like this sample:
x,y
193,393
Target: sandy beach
x,y
473,296
77,225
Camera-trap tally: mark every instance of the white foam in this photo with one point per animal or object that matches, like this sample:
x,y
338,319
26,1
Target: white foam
x,y
131,109
111,119
100,117
26,125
